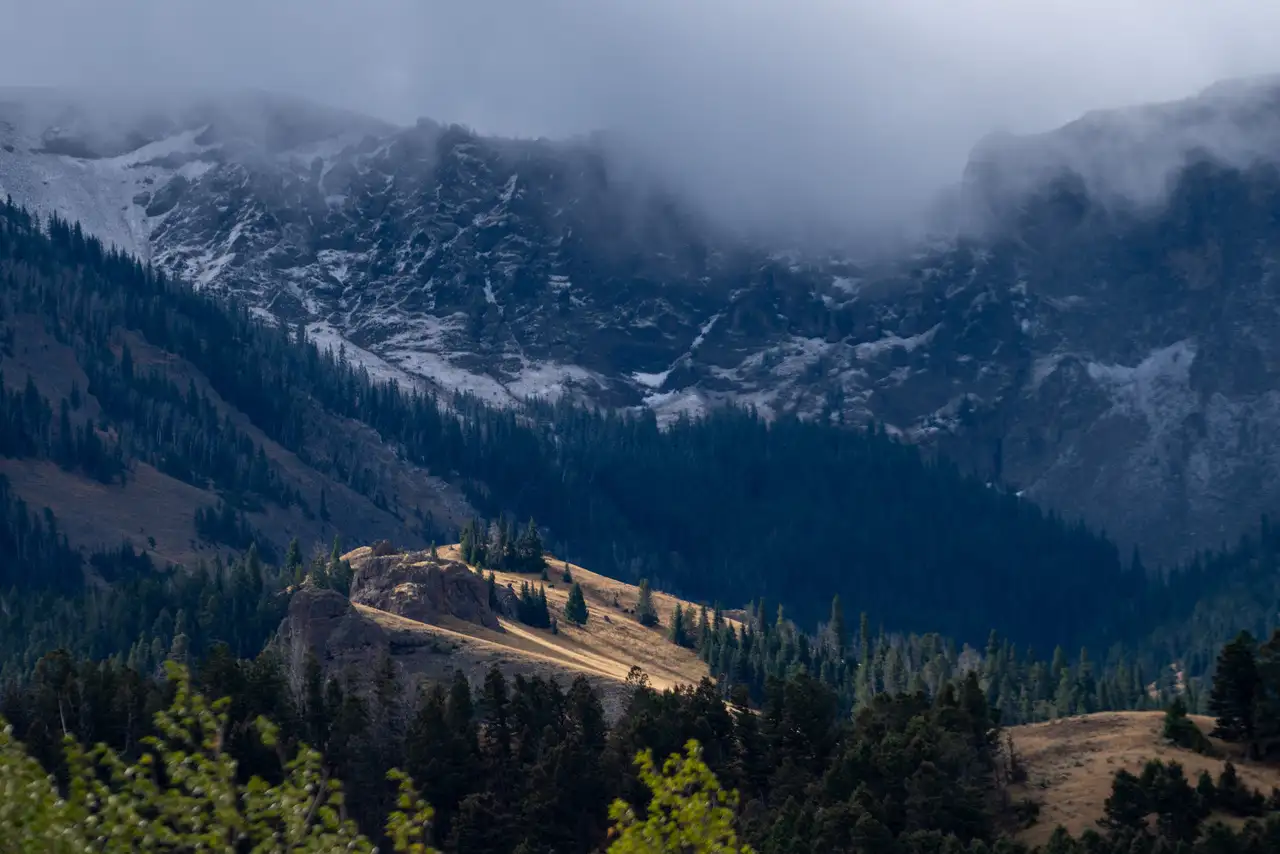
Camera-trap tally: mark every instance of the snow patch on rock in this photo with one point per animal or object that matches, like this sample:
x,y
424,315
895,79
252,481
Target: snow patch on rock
x,y
1157,389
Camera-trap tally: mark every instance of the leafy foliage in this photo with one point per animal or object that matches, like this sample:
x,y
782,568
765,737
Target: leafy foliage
x,y
688,810
183,793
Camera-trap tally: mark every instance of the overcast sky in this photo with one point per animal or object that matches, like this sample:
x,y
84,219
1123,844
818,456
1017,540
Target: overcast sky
x,y
840,109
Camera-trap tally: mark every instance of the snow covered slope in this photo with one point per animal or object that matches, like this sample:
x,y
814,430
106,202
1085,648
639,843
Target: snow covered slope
x,y
1108,342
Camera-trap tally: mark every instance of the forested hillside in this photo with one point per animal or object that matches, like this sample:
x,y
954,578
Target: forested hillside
x,y
274,439
528,766
713,509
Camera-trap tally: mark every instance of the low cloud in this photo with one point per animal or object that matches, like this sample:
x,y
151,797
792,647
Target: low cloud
x,y
808,115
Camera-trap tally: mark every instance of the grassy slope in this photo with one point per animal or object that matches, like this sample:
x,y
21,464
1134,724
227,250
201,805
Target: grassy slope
x,y
153,505
605,648
1071,762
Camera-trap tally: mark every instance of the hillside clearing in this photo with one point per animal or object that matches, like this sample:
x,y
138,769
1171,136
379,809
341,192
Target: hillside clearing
x,y
1071,762
606,648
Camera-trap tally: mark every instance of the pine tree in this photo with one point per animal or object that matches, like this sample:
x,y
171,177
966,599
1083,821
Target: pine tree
x,y
500,546
864,638
679,633
1235,690
339,570
646,614
528,555
836,627
575,610
1128,806
467,544
1064,698
1181,730
293,562
531,607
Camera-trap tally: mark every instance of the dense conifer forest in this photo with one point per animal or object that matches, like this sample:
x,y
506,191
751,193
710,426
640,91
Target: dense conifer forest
x,y
531,765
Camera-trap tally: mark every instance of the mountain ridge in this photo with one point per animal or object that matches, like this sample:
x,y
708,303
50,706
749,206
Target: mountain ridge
x,y
518,268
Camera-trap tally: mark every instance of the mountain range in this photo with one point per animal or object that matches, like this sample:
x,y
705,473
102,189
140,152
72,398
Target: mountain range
x,y
1097,332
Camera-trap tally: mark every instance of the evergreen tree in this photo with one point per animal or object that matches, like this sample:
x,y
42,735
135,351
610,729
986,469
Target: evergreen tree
x,y
531,606
575,609
293,565
679,633
1235,690
836,627
1267,701
339,570
646,613
528,554
1128,806
1181,730
467,544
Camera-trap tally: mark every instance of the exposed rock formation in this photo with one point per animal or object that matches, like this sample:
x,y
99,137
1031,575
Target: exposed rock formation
x,y
348,640
324,623
420,587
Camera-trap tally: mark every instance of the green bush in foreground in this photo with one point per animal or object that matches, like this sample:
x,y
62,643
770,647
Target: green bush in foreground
x,y
689,812
182,795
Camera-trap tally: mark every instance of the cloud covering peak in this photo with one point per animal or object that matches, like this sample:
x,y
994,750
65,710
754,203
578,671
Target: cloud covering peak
x,y
802,114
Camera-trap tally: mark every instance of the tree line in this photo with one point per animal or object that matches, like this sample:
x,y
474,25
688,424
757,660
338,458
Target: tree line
x,y
528,765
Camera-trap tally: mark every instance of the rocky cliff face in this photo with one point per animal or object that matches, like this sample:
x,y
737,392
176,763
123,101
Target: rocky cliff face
x,y
1103,339
421,588
324,624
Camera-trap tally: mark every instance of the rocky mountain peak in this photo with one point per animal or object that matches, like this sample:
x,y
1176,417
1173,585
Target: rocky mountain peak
x,y
1103,344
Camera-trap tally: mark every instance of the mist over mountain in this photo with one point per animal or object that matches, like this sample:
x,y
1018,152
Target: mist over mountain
x,y
827,118
1087,324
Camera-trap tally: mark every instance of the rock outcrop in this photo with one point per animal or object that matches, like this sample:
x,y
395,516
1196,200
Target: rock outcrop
x,y
324,623
421,587
349,641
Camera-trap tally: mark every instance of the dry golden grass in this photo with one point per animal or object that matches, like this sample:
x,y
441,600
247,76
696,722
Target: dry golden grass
x,y
1071,763
149,505
606,647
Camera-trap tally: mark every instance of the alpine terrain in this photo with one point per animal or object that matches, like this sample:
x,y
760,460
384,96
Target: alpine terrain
x,y
1097,334
378,488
